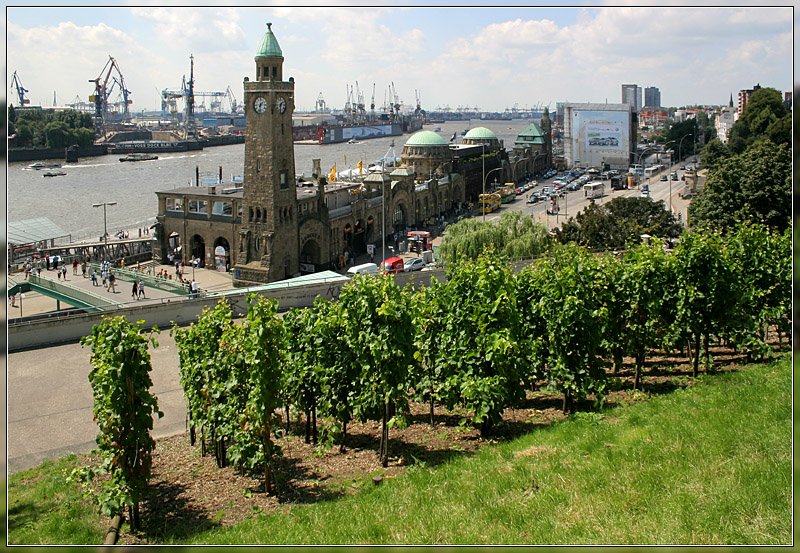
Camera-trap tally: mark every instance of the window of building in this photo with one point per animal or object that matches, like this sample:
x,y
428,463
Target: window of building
x,y
198,206
284,179
222,209
174,204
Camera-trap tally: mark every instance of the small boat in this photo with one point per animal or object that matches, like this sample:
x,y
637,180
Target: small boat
x,y
54,174
138,157
437,129
40,165
353,141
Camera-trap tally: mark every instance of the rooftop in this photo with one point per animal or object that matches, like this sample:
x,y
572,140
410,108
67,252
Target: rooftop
x,y
269,45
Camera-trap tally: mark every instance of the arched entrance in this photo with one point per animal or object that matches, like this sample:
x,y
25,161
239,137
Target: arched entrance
x,y
348,236
310,257
197,249
222,254
399,217
359,238
370,229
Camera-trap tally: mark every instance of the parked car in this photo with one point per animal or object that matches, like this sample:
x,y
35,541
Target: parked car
x,y
392,265
663,178
415,264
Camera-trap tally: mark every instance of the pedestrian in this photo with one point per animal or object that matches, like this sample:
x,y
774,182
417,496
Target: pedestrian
x,y
104,275
193,289
135,291
83,269
94,278
47,260
13,300
122,262
141,290
58,274
64,272
75,266
112,283
27,269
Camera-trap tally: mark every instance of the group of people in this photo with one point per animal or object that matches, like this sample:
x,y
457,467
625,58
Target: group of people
x,y
137,292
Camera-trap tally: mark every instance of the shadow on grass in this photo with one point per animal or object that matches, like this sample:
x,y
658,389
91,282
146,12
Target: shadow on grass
x,y
289,475
167,515
26,513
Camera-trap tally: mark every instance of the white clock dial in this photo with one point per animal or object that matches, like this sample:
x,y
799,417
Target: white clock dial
x,y
260,104
281,104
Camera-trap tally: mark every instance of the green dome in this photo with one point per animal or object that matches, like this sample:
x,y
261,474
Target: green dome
x,y
269,45
426,138
480,133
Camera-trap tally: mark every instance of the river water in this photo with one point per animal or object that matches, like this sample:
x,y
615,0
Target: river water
x,y
67,200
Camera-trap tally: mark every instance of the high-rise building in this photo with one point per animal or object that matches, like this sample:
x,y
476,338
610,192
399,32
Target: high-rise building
x,y
744,97
632,94
652,97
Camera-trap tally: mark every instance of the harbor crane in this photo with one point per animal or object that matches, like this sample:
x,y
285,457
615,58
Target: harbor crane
x,y
372,104
169,100
102,91
16,83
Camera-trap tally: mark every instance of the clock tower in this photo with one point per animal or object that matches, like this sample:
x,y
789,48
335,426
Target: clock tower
x,y
268,236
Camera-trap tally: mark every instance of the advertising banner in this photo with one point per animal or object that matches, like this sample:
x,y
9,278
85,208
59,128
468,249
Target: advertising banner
x,y
599,135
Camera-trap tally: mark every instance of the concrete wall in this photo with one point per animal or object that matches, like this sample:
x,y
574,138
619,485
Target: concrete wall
x,y
181,311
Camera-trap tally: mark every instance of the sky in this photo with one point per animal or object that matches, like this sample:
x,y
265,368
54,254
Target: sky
x,y
492,58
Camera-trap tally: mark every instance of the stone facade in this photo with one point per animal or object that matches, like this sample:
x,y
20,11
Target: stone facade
x,y
271,226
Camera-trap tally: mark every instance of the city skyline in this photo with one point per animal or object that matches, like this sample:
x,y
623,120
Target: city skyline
x,y
485,57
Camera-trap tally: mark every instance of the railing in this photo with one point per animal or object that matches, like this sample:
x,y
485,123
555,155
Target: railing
x,y
65,293
151,281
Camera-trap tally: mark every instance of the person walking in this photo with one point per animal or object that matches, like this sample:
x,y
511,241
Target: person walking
x,y
135,291
112,287
75,266
94,278
83,269
141,290
64,272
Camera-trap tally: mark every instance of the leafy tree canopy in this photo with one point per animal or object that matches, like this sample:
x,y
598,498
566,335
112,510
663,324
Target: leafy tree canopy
x,y
619,224
764,115
754,186
513,235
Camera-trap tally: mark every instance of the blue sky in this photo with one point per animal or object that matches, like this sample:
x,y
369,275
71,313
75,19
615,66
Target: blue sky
x,y
486,57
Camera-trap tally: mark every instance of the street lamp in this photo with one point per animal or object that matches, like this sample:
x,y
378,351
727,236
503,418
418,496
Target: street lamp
x,y
680,143
484,188
105,224
514,169
640,158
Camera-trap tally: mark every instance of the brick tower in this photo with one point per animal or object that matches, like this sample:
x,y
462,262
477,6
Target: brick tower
x,y
269,231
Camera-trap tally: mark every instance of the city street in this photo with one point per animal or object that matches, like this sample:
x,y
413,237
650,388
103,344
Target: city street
x,y
574,202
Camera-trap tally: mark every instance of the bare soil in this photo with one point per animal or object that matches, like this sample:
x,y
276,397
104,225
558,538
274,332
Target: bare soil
x,y
189,493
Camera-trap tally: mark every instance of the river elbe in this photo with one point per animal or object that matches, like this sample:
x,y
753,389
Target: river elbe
x,y
67,200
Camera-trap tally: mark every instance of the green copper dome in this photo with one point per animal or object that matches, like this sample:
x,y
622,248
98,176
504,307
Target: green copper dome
x,y
269,45
480,133
426,138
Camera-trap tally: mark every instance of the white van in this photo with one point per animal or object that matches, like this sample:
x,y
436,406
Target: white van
x,y
594,189
363,269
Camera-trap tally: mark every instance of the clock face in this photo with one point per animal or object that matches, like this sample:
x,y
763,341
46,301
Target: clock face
x,y
260,104
281,104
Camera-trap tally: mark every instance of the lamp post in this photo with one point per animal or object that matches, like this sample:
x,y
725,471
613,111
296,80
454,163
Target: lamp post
x,y
640,158
484,187
680,143
105,223
514,169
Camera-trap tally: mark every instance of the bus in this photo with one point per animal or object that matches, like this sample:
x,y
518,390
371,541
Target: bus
x,y
653,169
593,189
508,193
489,202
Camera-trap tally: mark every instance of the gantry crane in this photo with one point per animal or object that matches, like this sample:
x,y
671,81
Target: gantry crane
x,y
17,84
102,91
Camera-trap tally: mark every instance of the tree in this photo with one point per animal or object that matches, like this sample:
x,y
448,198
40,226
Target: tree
x,y
706,291
714,152
765,113
646,288
754,186
513,235
123,409
618,224
478,350
302,376
573,309
379,332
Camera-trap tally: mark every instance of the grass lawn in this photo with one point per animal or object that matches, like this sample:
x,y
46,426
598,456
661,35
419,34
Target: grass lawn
x,y
708,464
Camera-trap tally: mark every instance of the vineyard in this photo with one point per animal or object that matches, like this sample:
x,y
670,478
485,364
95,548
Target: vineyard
x,y
459,355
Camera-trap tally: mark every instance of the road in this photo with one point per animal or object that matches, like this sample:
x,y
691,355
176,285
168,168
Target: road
x,y
574,202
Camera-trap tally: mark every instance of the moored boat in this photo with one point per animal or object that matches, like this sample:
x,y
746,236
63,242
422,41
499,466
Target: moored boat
x,y
54,174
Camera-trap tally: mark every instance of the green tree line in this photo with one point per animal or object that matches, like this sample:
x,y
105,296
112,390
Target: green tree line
x,y
35,128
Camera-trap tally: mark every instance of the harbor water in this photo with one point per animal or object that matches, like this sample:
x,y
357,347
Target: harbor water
x,y
67,200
